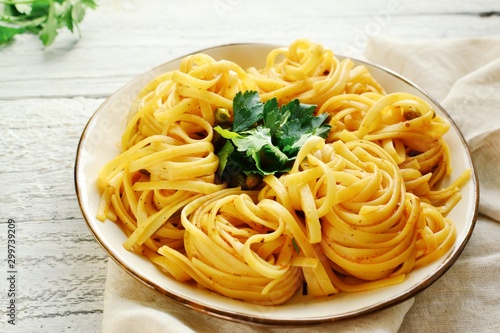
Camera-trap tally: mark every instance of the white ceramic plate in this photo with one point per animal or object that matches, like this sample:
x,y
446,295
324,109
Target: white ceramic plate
x,y
99,144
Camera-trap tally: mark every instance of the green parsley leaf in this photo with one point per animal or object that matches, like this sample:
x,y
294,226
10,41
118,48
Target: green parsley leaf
x,y
265,137
225,133
89,3
247,110
290,133
270,160
272,117
223,155
257,143
301,112
67,18
77,12
49,31
23,8
7,33
253,140
41,17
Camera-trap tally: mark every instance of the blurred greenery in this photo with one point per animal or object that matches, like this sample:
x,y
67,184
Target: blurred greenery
x,y
43,18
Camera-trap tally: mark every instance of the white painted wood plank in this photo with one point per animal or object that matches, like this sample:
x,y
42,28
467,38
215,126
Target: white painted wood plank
x,y
61,269
61,277
122,39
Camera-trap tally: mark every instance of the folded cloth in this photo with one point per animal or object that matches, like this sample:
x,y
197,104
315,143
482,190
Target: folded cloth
x,y
129,306
464,76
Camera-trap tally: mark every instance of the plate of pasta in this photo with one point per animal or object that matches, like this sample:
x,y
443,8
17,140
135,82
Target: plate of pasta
x,y
278,185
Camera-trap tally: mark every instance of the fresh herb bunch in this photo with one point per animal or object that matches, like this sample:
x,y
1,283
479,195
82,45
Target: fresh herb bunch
x,y
265,138
41,17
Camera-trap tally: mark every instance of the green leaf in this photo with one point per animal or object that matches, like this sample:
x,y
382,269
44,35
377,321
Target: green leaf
x,y
270,160
90,3
321,129
299,111
40,8
223,155
289,134
272,116
247,110
43,17
315,122
23,8
253,140
266,137
258,144
8,33
68,19
225,133
42,3
49,31
294,149
9,10
64,13
77,12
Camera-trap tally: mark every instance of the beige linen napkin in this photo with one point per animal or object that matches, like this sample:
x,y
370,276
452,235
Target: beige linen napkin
x,y
465,76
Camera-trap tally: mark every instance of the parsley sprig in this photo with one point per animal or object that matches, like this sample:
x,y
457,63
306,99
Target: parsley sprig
x,y
41,17
265,138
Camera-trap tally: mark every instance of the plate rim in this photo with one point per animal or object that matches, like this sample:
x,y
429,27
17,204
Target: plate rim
x,y
246,318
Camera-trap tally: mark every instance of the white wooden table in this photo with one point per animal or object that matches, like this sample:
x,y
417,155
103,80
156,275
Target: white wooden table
x,y
47,96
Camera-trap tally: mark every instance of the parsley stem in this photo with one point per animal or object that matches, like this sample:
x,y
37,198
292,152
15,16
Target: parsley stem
x,y
17,2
